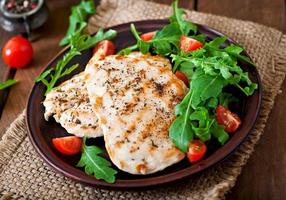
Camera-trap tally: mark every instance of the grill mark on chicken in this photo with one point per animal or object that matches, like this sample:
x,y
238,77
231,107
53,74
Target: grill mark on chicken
x,y
140,110
70,106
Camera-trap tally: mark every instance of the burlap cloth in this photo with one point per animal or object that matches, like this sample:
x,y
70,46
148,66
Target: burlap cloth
x,y
24,175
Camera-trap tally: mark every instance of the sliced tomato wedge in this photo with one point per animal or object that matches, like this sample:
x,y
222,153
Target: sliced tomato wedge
x,y
197,150
230,120
69,145
188,44
104,48
147,36
183,77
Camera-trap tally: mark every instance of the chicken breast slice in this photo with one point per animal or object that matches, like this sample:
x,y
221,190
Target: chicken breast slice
x,y
70,106
134,97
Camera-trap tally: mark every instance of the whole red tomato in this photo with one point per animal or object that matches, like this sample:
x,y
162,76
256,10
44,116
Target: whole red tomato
x,y
17,52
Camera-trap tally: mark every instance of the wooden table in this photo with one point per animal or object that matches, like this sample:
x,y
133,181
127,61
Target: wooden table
x,y
264,176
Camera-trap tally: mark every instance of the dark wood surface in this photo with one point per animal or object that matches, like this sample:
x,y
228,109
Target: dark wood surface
x,y
264,176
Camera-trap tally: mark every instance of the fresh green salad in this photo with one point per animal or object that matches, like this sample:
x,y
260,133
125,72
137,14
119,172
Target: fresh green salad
x,y
207,67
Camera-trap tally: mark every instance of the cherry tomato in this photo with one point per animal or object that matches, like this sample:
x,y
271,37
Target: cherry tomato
x,y
69,145
147,36
188,44
230,120
197,150
183,77
17,52
104,48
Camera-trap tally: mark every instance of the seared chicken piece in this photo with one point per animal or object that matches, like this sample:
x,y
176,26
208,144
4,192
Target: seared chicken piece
x,y
70,106
134,97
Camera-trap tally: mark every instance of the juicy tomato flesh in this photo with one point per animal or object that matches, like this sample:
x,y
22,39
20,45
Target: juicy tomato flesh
x,y
188,44
183,77
69,145
230,120
104,48
197,150
147,36
17,52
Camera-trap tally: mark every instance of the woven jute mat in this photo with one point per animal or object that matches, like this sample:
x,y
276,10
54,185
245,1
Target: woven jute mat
x,y
23,174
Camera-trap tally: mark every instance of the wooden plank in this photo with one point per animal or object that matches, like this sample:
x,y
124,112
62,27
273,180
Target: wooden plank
x,y
45,47
264,175
5,72
267,12
4,69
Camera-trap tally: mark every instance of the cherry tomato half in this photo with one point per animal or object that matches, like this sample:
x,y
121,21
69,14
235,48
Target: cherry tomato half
x,y
230,120
188,44
197,150
69,145
148,36
183,77
17,52
104,48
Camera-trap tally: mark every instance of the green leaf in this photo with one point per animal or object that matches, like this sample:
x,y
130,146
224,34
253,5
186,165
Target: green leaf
x,y
7,84
201,123
181,108
78,43
77,19
44,75
181,132
69,70
216,43
200,37
184,26
219,133
95,165
128,50
188,69
204,86
142,46
83,42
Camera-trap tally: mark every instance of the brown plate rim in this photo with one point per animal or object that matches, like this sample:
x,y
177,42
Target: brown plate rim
x,y
221,154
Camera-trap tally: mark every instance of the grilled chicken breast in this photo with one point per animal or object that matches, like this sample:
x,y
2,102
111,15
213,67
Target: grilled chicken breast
x,y
134,97
70,106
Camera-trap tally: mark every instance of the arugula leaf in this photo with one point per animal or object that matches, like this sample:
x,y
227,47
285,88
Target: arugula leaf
x,y
128,50
177,18
165,40
232,49
216,61
78,43
7,84
83,42
181,131
201,123
77,19
94,164
204,86
219,132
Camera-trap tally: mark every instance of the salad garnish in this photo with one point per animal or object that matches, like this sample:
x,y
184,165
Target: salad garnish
x,y
94,164
210,67
77,41
7,84
206,66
